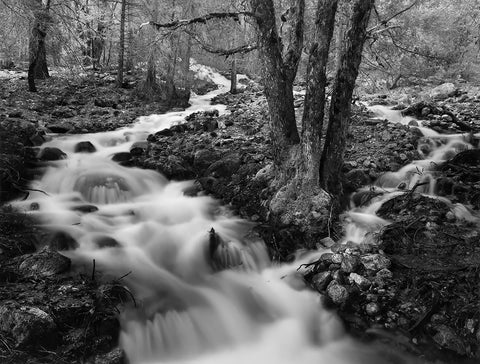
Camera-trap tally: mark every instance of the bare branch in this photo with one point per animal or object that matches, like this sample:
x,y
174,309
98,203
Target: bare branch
x,y
245,48
199,20
385,22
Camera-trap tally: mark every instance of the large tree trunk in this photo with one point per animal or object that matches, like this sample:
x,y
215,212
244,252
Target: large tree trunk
x,y
314,104
37,51
332,158
121,46
277,81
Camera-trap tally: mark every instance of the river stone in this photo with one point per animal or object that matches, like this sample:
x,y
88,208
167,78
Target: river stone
x,y
447,338
203,158
443,91
326,258
60,128
327,242
225,167
28,326
349,263
337,293
62,241
321,280
122,157
356,178
362,282
375,262
45,263
85,147
372,308
51,154
138,148
116,356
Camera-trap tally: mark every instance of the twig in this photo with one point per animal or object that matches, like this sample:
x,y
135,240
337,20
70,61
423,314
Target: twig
x,y
93,270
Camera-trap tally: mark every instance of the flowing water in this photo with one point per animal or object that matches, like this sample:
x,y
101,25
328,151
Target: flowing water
x,y
201,297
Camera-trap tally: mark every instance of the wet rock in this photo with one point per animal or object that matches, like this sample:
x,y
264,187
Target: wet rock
x,y
375,262
116,356
51,154
447,338
122,157
37,139
361,282
413,123
106,242
138,148
327,242
225,166
203,158
447,118
350,263
321,280
62,241
105,103
45,263
60,128
372,308
85,147
28,326
174,167
425,111
356,178
337,293
85,209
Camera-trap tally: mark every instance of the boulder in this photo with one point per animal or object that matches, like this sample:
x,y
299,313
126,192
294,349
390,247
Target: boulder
x,y
28,326
375,262
85,147
337,293
321,280
51,154
443,91
448,339
361,282
226,166
138,148
45,263
203,158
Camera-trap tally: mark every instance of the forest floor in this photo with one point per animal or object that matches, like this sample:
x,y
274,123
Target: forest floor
x,y
413,286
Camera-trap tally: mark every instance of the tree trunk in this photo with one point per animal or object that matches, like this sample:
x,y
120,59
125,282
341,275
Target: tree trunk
x,y
332,158
314,104
121,46
37,51
233,76
277,82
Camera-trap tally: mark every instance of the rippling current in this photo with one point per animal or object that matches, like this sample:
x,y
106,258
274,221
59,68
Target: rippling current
x,y
203,295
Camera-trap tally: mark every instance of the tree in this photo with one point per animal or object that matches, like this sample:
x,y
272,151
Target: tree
x,y
37,51
121,45
305,178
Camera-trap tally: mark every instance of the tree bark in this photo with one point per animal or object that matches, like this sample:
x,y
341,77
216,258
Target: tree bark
x,y
121,46
332,158
277,81
314,104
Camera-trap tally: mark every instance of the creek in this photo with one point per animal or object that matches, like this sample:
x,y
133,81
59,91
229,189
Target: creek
x,y
202,297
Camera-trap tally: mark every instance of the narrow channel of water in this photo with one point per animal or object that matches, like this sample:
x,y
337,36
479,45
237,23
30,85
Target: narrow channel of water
x,y
197,301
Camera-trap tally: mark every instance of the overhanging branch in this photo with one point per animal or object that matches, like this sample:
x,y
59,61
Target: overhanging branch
x,y
199,20
245,48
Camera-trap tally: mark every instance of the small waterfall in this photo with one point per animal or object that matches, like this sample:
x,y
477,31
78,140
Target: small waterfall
x,y
419,175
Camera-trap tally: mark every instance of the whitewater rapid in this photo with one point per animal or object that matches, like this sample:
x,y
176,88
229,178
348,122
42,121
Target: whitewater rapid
x,y
205,288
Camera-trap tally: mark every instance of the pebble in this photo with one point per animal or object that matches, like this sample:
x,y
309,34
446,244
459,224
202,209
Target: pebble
x,y
372,308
